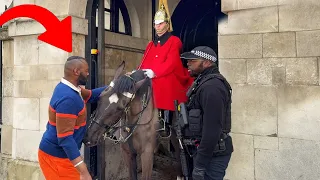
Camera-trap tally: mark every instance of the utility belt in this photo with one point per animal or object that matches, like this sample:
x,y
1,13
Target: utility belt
x,y
220,147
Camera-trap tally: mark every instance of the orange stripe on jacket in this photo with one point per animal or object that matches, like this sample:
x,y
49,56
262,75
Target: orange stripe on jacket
x,y
82,111
52,123
51,109
66,115
81,125
64,134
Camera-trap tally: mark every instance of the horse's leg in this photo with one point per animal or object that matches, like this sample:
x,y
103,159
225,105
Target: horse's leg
x,y
131,161
147,164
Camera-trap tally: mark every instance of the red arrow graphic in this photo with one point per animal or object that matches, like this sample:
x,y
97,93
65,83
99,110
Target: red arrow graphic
x,y
57,33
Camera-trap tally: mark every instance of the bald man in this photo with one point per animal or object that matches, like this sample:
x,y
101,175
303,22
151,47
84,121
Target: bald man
x,y
59,150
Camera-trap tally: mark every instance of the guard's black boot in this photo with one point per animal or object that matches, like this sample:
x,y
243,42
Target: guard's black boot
x,y
165,129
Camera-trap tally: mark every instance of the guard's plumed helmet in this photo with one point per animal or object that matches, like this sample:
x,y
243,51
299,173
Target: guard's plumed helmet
x,y
163,15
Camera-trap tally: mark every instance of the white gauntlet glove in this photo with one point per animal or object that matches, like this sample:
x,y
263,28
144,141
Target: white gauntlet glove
x,y
149,73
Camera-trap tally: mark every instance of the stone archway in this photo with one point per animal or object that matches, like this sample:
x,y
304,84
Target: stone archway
x,y
135,22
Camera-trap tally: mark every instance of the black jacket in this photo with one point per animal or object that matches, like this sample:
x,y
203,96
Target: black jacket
x,y
211,98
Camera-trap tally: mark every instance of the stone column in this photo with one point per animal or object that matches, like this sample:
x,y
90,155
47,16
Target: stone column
x,y
7,64
269,51
32,69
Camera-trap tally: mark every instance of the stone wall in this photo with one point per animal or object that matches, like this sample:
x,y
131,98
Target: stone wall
x,y
269,52
4,3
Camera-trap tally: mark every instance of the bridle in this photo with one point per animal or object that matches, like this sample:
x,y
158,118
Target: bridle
x,y
129,95
110,130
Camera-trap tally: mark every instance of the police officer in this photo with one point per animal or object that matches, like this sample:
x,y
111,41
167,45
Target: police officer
x,y
209,115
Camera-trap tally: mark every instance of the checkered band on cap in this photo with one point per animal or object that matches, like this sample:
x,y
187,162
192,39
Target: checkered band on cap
x,y
204,55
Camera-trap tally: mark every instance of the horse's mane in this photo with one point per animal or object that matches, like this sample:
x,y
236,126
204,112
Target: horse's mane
x,y
125,83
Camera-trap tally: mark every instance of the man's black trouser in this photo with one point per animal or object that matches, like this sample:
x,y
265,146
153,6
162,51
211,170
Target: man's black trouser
x,y
216,169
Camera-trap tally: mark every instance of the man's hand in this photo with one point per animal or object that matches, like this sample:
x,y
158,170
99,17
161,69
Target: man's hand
x,y
149,73
198,173
82,168
85,176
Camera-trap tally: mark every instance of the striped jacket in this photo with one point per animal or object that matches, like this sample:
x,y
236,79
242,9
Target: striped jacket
x,y
67,120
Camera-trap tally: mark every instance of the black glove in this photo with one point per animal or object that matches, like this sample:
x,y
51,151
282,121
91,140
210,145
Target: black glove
x,y
198,173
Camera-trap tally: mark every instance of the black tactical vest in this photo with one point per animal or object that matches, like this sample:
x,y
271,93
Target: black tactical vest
x,y
191,104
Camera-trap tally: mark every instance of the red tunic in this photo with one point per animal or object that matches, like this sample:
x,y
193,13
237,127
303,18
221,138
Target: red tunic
x,y
171,80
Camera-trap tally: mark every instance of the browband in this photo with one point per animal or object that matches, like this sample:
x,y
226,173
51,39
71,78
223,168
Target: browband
x,y
127,94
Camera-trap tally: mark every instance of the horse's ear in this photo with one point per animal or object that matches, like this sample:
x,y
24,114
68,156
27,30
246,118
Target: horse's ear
x,y
119,70
139,84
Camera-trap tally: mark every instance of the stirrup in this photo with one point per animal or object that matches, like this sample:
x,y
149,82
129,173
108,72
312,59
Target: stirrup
x,y
164,125
164,129
166,136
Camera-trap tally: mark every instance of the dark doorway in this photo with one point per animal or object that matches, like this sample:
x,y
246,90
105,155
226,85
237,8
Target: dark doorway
x,y
196,23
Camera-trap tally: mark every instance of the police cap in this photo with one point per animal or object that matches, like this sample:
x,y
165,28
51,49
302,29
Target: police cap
x,y
200,52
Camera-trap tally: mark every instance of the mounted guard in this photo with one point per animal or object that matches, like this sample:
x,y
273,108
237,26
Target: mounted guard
x,y
161,62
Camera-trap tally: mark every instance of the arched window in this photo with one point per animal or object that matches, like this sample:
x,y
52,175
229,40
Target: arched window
x,y
116,17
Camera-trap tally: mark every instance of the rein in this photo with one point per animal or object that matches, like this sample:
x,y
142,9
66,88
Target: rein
x,y
130,128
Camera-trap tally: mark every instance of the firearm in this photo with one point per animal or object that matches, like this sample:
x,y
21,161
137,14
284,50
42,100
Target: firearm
x,y
183,157
182,118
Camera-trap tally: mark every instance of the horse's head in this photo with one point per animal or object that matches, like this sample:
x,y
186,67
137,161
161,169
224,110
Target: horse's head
x,y
113,102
